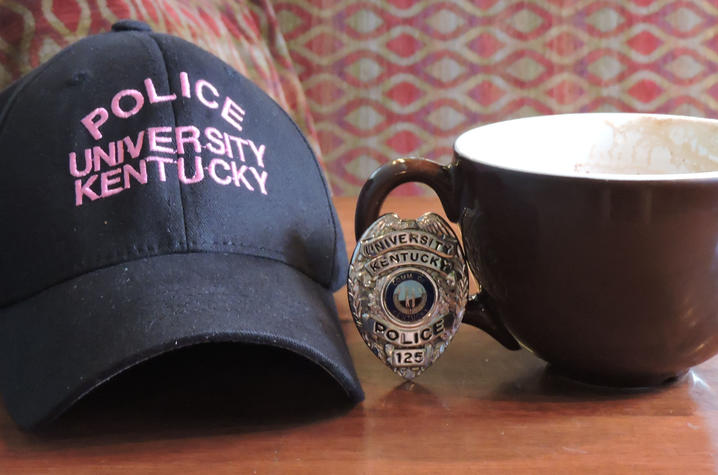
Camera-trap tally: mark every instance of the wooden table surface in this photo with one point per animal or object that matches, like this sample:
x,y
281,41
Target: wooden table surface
x,y
480,409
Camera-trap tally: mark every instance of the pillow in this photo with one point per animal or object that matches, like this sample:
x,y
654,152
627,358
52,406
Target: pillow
x,y
242,33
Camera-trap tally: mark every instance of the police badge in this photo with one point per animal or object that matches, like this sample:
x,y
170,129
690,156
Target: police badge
x,y
407,288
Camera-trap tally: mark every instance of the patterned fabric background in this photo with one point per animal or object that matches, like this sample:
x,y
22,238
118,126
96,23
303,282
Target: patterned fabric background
x,y
404,77
244,34
380,79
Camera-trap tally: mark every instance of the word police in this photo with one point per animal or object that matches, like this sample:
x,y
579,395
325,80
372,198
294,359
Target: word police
x,y
410,337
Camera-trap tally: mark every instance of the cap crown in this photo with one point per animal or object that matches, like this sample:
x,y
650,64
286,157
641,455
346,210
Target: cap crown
x,y
133,144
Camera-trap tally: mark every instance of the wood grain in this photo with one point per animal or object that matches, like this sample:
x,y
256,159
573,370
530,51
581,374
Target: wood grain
x,y
479,409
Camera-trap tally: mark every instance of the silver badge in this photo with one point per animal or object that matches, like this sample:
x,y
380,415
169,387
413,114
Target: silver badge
x,y
407,290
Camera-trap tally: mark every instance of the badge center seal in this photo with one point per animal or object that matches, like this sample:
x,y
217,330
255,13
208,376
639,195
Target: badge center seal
x,y
408,296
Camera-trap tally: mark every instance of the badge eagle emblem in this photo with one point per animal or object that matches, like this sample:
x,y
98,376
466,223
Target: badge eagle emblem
x,y
407,289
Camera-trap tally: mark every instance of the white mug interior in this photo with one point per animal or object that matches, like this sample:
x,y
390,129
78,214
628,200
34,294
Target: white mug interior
x,y
617,145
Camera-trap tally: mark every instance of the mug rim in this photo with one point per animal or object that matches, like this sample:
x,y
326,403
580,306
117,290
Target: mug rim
x,y
647,177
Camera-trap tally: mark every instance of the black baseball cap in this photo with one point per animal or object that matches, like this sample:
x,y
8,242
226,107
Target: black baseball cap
x,y
152,198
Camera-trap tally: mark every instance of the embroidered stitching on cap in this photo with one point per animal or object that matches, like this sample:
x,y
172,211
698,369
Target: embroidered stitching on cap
x,y
109,170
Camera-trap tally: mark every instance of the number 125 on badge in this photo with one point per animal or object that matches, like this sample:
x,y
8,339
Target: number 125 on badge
x,y
410,357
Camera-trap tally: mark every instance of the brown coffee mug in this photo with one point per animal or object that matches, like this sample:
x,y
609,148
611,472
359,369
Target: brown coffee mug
x,y
594,238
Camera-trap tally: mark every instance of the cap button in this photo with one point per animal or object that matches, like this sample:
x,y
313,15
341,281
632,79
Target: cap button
x,y
131,25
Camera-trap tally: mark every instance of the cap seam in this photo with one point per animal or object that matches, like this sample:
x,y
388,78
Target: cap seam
x,y
332,221
174,118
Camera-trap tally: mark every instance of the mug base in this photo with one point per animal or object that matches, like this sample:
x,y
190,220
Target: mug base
x,y
613,382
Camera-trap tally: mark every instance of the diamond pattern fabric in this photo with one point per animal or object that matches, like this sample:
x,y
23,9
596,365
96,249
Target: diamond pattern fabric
x,y
406,77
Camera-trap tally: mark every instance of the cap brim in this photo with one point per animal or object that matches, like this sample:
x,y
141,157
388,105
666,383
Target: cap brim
x,y
63,342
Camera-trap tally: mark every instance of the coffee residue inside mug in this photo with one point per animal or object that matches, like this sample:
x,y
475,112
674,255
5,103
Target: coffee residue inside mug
x,y
654,145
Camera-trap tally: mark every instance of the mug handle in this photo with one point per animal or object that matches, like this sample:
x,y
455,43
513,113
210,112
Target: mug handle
x,y
479,309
